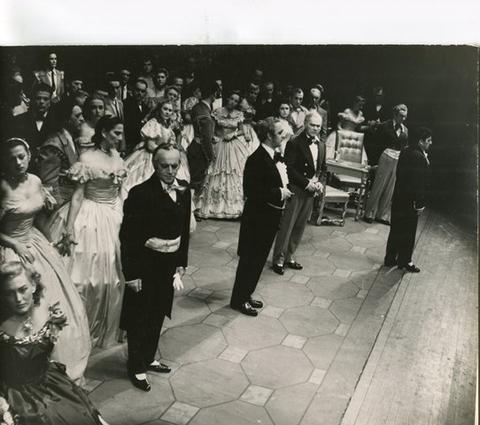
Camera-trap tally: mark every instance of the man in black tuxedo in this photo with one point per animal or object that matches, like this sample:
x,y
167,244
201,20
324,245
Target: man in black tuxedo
x,y
134,112
408,200
305,157
154,239
265,188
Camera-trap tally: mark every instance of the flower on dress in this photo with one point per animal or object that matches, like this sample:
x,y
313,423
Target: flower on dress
x,y
5,414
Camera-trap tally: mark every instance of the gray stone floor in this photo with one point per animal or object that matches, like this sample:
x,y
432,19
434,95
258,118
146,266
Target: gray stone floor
x,y
298,362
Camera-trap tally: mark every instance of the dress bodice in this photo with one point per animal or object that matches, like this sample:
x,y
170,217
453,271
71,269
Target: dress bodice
x,y
227,121
17,214
101,185
349,121
25,360
158,132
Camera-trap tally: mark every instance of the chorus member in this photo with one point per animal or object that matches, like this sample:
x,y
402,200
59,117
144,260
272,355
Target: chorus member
x,y
218,102
33,387
222,193
24,236
394,137
319,105
413,171
307,171
52,76
113,103
283,115
200,151
59,153
160,78
298,111
146,73
156,131
251,138
134,110
125,88
93,110
352,118
154,243
265,186
266,104
86,230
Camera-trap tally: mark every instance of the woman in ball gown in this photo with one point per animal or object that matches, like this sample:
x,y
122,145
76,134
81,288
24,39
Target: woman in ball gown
x,y
93,110
33,389
24,236
251,138
222,194
87,229
157,130
283,113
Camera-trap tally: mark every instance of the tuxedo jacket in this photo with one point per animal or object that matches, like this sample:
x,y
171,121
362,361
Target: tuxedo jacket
x,y
54,159
132,122
412,179
388,138
263,205
111,110
300,164
43,77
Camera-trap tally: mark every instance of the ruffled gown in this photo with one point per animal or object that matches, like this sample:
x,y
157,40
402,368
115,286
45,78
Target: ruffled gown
x,y
73,346
35,390
94,264
222,193
139,163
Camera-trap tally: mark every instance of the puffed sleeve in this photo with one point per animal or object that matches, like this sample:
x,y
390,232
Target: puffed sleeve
x,y
151,130
81,173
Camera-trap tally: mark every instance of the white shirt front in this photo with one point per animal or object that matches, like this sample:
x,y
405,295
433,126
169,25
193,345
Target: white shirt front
x,y
172,193
281,167
314,151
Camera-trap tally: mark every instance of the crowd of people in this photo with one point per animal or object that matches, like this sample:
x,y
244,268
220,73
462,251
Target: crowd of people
x,y
100,191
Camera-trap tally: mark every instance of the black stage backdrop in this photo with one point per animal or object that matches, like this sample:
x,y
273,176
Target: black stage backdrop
x,y
439,84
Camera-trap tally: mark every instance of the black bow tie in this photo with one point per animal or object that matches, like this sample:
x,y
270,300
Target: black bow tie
x,y
398,127
312,140
277,157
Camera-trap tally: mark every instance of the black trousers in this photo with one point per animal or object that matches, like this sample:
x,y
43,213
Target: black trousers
x,y
143,345
401,239
198,164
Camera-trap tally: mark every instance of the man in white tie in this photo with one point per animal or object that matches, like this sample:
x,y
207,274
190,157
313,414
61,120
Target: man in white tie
x,y
52,76
113,104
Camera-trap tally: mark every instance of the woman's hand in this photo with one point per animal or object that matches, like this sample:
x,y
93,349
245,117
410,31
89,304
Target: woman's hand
x,y
24,254
64,245
135,285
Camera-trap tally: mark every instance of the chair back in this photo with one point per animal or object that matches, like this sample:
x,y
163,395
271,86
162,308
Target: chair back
x,y
350,146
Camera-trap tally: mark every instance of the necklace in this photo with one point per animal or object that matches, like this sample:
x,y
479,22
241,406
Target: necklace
x,y
27,324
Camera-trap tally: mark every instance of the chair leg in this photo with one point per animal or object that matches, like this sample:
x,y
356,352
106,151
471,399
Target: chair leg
x,y
344,212
320,210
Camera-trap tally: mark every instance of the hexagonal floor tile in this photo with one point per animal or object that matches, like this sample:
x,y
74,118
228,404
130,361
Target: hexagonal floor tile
x,y
108,364
309,321
287,406
332,244
305,248
351,261
200,239
315,266
286,294
208,382
332,288
187,311
363,279
219,303
229,234
366,240
377,254
209,256
352,226
277,367
214,278
346,310
235,413
119,409
254,333
321,350
192,343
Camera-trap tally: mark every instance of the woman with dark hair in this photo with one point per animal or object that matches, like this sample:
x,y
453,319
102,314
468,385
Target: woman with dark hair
x,y
24,237
34,389
155,132
222,193
283,114
93,110
87,229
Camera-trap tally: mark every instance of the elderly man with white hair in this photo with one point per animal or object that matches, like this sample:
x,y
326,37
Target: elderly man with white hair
x,y
316,104
307,170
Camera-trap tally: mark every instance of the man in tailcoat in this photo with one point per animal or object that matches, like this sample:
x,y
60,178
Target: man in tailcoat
x,y
265,188
305,157
408,200
154,239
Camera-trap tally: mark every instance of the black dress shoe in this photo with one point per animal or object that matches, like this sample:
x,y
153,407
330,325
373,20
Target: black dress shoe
x,y
247,309
159,368
294,265
141,384
277,268
255,303
410,268
379,220
368,220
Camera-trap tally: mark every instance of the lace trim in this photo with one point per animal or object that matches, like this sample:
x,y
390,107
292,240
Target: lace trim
x,y
82,173
55,323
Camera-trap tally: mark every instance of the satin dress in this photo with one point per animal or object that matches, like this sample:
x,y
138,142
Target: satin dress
x,y
73,346
94,264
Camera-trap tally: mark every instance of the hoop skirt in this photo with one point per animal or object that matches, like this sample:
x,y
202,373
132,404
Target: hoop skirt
x,y
35,390
94,264
73,346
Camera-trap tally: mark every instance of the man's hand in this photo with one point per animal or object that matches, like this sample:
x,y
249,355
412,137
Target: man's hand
x,y
286,193
135,285
311,187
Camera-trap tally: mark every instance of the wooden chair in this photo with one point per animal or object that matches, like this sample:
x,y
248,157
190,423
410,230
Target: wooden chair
x,y
335,196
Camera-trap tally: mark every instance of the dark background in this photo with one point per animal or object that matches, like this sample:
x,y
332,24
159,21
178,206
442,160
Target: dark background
x,y
439,84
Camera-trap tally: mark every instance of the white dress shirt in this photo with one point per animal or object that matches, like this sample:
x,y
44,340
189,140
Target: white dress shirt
x,y
281,167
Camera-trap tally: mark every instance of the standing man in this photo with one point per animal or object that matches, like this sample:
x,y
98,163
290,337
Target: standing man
x,y
154,239
319,105
298,111
134,111
307,171
125,88
59,153
113,104
52,76
408,200
265,187
200,151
